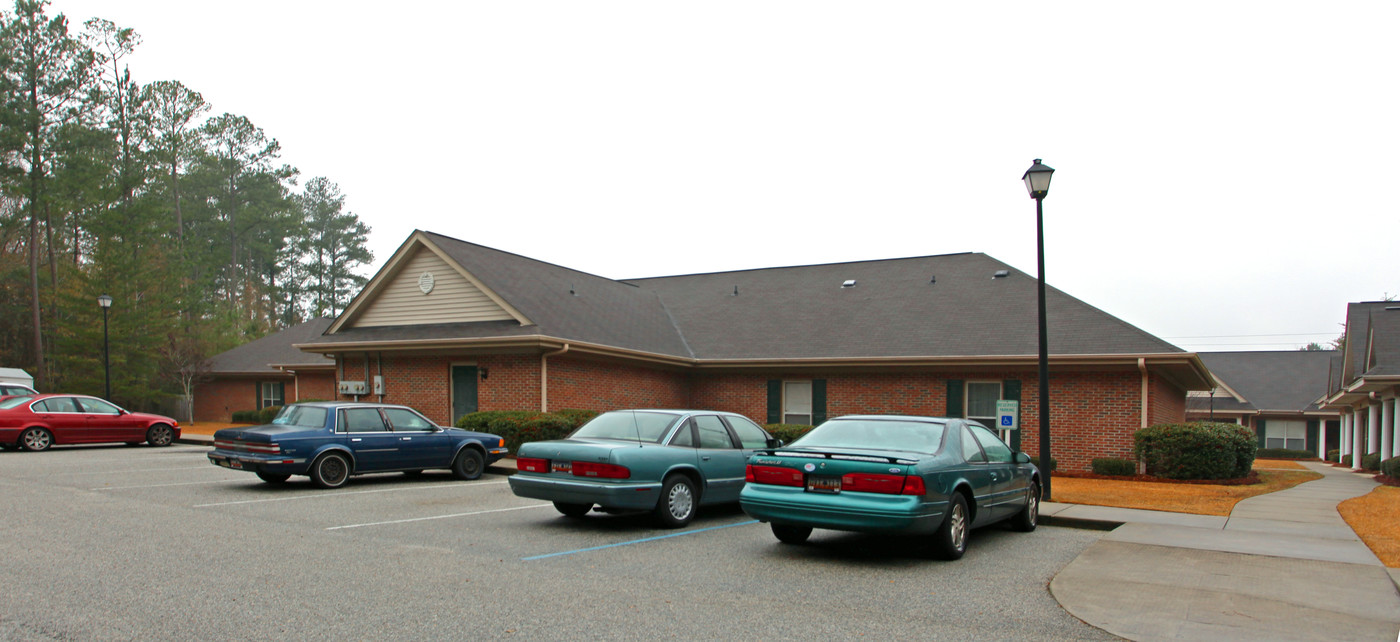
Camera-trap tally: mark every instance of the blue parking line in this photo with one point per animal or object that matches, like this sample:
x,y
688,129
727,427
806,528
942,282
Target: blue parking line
x,y
636,541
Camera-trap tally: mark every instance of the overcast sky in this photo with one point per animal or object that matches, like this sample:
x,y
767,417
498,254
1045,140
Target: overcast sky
x,y
1226,173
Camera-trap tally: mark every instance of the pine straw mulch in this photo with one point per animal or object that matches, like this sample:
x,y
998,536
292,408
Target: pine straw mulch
x,y
1175,496
1375,516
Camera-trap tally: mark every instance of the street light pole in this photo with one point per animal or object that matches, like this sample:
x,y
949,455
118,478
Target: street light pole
x,y
106,302
1037,180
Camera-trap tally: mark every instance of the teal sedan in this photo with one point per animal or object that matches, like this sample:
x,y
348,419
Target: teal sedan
x,y
668,462
928,477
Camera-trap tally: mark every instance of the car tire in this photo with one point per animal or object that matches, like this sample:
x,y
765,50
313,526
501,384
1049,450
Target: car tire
x,y
950,540
678,502
469,464
274,478
330,470
789,534
573,510
1025,520
35,439
160,435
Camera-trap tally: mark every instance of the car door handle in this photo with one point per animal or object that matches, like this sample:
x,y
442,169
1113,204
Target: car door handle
x,y
705,458
405,439
353,439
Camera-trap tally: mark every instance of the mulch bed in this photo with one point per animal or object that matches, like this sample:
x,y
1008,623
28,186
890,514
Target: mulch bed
x,y
1253,478
1388,480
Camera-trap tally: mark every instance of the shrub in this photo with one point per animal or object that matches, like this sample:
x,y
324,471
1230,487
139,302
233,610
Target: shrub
x,y
1196,450
1371,462
1334,455
1284,453
244,417
266,415
1113,466
787,432
524,426
1054,465
1391,467
1345,461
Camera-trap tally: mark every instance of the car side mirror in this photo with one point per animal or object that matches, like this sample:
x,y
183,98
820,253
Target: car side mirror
x,y
775,443
1023,458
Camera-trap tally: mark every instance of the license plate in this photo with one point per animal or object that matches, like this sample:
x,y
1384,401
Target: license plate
x,y
824,484
563,466
234,463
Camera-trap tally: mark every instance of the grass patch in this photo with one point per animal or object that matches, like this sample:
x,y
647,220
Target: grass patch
x,y
1374,517
1198,499
1277,463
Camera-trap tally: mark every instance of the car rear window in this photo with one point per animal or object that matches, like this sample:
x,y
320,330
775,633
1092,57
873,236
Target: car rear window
x,y
303,416
628,425
909,436
15,401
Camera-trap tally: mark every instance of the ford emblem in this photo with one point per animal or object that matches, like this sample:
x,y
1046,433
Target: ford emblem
x,y
894,470
809,467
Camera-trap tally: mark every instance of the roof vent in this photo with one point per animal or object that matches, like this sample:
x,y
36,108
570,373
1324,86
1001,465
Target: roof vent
x,y
1001,274
849,283
933,279
736,290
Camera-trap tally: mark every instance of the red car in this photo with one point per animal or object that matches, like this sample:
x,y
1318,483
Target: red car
x,y
35,422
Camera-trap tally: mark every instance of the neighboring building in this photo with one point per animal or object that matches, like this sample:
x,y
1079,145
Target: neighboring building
x,y
450,327
1365,380
265,372
1274,393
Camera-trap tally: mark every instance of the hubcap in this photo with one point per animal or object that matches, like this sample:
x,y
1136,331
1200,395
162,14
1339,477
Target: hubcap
x,y
160,436
1033,510
36,440
333,470
957,527
469,465
680,501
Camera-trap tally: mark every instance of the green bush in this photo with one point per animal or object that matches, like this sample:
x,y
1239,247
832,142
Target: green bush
x,y
266,415
787,432
1334,455
1113,466
1196,450
1391,467
1054,465
1345,461
244,417
1371,462
1284,453
523,426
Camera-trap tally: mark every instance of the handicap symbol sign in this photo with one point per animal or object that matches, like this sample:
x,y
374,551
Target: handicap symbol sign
x,y
1006,420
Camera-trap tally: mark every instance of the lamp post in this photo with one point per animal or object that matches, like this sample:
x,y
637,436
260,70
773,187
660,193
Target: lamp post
x,y
1037,180
106,302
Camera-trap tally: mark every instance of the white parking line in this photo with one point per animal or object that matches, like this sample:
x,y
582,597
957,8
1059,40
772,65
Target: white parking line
x,y
240,480
136,470
424,519
353,492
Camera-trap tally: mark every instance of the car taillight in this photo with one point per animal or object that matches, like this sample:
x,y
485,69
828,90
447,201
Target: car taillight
x,y
872,483
532,465
914,485
606,471
775,475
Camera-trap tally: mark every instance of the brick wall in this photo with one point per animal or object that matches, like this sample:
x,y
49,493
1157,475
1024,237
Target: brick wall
x,y
312,385
1166,403
594,385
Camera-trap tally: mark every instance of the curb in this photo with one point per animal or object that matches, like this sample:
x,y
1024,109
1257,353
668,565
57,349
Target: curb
x,y
1080,523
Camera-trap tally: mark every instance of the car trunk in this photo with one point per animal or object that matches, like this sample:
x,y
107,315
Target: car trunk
x,y
834,471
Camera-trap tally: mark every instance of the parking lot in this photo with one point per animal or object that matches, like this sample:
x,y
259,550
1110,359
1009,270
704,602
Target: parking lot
x,y
155,543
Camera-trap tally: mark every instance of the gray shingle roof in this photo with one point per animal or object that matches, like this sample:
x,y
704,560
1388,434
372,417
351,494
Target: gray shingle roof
x,y
1278,381
1373,341
274,349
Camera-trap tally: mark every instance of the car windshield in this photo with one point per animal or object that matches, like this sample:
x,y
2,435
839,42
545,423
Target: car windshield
x,y
627,424
304,416
877,434
15,401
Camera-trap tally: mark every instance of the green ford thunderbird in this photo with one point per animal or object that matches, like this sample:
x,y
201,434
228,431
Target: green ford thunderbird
x,y
932,478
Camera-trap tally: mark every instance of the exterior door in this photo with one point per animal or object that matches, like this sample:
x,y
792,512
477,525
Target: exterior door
x,y
463,392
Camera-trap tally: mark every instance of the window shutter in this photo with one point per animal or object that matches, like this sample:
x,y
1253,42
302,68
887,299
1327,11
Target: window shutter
x,y
257,395
818,401
1011,391
955,398
282,391
1312,435
1259,426
775,401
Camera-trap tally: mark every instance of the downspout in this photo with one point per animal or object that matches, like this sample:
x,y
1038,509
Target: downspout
x,y
1142,365
379,368
339,374
544,376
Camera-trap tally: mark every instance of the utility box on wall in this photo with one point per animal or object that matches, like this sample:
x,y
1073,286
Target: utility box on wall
x,y
378,384
351,388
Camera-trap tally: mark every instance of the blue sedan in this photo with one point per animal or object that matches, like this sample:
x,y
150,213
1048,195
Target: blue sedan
x,y
668,462
928,477
330,441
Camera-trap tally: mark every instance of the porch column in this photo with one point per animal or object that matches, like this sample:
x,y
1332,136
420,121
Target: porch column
x,y
1322,438
1358,445
1387,428
1344,435
1373,428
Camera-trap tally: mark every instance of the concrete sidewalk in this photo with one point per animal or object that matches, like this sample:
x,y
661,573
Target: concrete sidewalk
x,y
1282,566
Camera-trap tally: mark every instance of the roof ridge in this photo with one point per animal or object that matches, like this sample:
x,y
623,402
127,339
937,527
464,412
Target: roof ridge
x,y
809,265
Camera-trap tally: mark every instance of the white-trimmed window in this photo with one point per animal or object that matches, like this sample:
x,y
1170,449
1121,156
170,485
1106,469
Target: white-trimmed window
x,y
1284,433
271,394
797,402
981,403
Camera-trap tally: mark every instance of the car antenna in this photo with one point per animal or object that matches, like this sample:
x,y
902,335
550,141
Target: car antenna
x,y
637,428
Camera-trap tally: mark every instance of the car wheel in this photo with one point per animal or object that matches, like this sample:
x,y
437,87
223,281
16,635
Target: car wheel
x,y
160,435
469,464
950,540
331,470
789,534
273,478
573,510
1025,520
677,504
35,439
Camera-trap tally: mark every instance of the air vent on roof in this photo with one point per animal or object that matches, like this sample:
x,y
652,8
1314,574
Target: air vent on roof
x,y
849,283
1001,274
933,279
736,290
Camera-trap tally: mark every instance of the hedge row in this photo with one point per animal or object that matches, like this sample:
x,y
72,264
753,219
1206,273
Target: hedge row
x,y
260,417
1284,453
1196,450
1391,467
787,432
1113,466
524,426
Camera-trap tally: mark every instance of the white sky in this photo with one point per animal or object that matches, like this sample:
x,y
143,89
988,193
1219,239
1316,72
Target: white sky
x,y
1222,179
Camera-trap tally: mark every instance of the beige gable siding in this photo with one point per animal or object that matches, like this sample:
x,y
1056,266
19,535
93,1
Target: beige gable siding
x,y
454,299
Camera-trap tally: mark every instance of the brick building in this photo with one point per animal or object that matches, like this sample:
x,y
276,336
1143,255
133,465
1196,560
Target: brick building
x,y
265,372
1274,393
451,327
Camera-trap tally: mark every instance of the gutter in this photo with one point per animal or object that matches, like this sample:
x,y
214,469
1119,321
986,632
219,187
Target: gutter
x,y
1142,366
